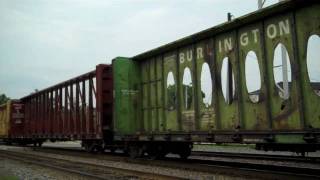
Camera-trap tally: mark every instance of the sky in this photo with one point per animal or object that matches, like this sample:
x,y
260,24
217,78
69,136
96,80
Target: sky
x,y
44,42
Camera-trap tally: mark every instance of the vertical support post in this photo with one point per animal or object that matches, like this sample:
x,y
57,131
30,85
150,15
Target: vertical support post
x,y
195,87
260,3
179,86
60,124
72,119
56,113
83,107
163,87
90,120
229,85
77,117
50,113
157,79
44,112
37,116
66,130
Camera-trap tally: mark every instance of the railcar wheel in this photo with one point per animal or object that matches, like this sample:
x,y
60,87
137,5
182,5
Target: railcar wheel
x,y
156,151
184,154
185,151
40,144
153,154
135,151
9,143
112,150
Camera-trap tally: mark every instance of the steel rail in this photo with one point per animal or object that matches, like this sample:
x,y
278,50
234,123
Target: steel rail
x,y
304,159
282,158
226,165
90,170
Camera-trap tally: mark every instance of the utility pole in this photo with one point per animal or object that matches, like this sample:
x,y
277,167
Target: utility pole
x,y
285,71
261,3
285,82
229,83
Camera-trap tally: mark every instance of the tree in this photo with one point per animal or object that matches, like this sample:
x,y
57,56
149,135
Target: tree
x,y
3,98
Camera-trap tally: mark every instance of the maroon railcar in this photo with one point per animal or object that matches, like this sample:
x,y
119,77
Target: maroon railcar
x,y
16,120
77,109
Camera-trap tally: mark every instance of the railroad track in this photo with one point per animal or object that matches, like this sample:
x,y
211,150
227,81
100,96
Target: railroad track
x,y
89,170
273,168
270,170
288,158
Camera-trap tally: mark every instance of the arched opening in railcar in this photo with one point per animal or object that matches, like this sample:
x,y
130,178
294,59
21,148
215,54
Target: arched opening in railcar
x,y
313,63
206,85
227,81
282,71
253,79
187,89
171,92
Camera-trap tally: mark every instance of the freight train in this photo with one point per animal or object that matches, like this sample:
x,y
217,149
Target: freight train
x,y
196,89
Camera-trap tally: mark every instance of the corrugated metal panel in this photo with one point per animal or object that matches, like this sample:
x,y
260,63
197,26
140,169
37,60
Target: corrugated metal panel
x,y
127,102
5,119
16,120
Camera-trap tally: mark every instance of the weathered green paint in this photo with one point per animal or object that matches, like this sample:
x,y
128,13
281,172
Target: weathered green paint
x,y
228,113
186,58
170,113
146,95
152,95
163,107
160,101
254,115
289,138
206,116
308,24
285,113
127,106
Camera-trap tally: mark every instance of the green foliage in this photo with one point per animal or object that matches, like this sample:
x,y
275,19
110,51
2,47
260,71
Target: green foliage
x,y
3,98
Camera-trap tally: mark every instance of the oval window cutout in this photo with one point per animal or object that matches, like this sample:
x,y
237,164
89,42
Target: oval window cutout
x,y
313,62
282,71
187,88
171,92
227,82
253,79
206,85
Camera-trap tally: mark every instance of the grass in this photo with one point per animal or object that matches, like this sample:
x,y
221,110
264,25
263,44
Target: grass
x,y
8,177
212,146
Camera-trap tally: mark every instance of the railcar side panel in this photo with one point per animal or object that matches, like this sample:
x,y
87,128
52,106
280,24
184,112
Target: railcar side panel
x,y
206,99
127,114
16,120
285,110
170,91
186,82
228,93
282,109
308,24
254,103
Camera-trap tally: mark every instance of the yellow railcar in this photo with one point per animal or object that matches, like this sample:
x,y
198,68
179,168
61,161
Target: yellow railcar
x,y
5,119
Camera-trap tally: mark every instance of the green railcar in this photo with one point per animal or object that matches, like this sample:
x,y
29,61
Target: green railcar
x,y
157,109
